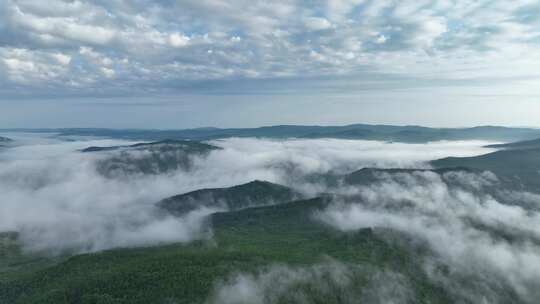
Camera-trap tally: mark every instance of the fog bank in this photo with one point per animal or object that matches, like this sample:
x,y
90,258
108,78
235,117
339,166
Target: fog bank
x,y
489,246
55,198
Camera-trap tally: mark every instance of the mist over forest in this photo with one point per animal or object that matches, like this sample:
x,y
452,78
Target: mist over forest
x,y
380,221
269,152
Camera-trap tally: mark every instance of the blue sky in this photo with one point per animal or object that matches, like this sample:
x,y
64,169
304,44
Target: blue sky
x,y
177,64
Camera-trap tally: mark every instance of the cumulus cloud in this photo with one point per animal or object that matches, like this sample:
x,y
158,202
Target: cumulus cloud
x,y
169,41
55,197
178,40
62,58
317,23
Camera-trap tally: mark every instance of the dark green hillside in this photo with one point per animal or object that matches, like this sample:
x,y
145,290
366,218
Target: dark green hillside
x,y
369,176
164,145
256,193
4,141
455,178
15,264
520,168
149,158
244,241
366,176
527,144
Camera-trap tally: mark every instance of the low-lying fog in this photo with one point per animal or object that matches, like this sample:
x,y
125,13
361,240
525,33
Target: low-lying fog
x,y
54,197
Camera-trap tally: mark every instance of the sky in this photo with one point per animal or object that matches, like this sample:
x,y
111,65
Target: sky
x,y
245,63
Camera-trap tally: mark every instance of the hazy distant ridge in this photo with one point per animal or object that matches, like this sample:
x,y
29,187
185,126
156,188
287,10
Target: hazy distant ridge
x,y
355,131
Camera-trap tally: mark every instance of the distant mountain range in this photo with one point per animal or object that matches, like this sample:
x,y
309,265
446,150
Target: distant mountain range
x,y
412,134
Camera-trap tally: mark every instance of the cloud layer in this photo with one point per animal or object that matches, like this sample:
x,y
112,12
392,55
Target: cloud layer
x,y
117,48
476,240
55,197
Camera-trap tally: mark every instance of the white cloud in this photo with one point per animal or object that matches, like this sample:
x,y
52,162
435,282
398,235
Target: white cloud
x,y
278,39
431,29
317,23
34,68
487,244
109,73
19,65
62,58
465,227
339,9
178,40
381,39
53,195
64,27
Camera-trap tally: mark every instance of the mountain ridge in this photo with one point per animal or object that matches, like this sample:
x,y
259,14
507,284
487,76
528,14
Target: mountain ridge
x,y
520,167
526,144
405,133
251,194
